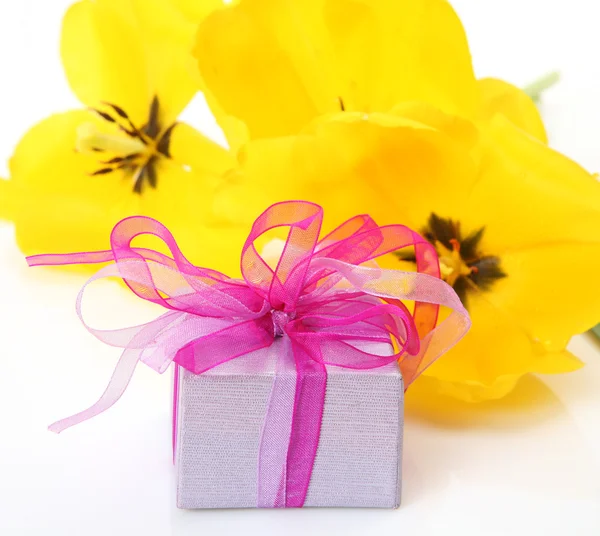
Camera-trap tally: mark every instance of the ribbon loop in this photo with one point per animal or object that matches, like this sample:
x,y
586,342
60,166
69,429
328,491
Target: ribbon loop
x,y
283,286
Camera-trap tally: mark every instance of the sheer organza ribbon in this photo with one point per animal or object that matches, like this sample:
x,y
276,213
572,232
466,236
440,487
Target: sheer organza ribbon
x,y
324,298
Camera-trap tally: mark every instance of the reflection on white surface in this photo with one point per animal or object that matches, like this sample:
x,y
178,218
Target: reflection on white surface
x,y
523,460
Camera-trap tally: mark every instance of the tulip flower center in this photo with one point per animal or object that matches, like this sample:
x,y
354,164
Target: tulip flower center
x,y
133,151
452,265
462,263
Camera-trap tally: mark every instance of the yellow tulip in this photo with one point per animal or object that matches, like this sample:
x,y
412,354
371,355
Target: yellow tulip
x,y
75,174
372,107
275,66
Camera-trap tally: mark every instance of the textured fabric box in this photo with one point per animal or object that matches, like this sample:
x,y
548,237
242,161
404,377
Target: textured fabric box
x,y
219,424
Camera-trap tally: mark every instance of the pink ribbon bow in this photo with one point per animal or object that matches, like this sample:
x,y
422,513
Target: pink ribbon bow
x,y
321,297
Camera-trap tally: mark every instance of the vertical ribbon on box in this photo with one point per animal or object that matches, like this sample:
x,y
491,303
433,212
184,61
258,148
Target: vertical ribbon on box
x,y
324,297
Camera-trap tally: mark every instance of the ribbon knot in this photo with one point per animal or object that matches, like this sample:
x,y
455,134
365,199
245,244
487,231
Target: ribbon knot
x,y
280,320
341,302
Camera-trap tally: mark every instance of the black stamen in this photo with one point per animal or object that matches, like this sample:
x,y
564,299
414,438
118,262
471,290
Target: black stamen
x,y
486,271
165,141
406,255
468,246
443,230
342,104
151,173
97,150
104,115
102,171
461,286
130,133
119,159
133,130
152,127
117,109
139,180
114,160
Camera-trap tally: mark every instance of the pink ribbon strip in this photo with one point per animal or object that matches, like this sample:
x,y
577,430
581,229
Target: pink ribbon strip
x,y
321,297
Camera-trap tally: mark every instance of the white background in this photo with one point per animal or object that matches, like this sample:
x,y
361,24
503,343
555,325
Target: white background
x,y
528,465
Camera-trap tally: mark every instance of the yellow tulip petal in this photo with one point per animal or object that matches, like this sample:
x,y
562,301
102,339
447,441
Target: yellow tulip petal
x,y
276,65
45,159
103,58
557,363
352,164
168,39
126,52
389,162
401,50
192,148
528,195
489,359
181,193
558,170
6,212
54,223
249,70
266,176
197,10
553,291
499,97
459,129
183,202
500,347
217,248
54,202
234,129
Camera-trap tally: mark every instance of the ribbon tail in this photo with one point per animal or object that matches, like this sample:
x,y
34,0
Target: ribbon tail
x,y
137,346
115,389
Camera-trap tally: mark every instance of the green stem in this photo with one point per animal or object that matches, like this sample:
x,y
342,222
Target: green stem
x,y
536,88
596,331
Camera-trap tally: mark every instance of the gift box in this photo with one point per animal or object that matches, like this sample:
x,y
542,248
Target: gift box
x,y
219,421
289,382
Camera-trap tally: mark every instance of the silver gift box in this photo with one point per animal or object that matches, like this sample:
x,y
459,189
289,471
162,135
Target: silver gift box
x,y
219,423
